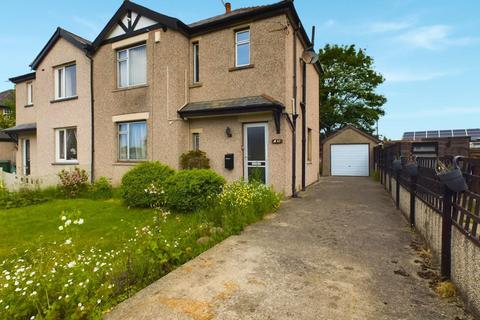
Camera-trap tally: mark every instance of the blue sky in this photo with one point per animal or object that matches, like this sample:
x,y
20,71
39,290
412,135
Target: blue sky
x,y
428,50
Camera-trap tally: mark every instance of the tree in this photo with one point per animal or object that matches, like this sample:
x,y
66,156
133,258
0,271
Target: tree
x,y
347,92
8,120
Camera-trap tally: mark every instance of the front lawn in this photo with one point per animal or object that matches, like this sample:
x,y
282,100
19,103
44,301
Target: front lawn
x,y
107,222
77,258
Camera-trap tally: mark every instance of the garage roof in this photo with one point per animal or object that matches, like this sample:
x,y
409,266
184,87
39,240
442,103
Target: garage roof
x,y
336,133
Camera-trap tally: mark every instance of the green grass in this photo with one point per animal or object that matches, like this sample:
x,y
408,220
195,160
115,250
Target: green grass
x,y
107,223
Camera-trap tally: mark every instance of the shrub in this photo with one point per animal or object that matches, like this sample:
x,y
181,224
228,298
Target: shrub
x,y
137,181
242,203
72,182
25,197
102,188
191,190
194,159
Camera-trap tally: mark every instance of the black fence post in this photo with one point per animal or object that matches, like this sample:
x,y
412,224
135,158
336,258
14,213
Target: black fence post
x,y
390,182
413,188
397,191
446,234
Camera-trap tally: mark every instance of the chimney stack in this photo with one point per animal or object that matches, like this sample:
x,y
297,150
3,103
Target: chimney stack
x,y
228,7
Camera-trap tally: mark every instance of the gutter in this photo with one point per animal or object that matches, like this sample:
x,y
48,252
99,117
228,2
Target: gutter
x,y
92,118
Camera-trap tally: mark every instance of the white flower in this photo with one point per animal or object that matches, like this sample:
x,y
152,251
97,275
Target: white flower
x,y
32,274
71,264
68,222
68,241
32,318
95,269
98,301
60,228
34,293
5,285
29,282
80,221
59,297
6,307
7,277
64,218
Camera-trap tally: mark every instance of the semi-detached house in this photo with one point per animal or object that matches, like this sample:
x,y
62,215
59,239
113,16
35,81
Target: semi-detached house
x,y
151,87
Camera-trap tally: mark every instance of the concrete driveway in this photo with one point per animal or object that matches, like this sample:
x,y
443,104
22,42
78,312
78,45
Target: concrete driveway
x,y
341,251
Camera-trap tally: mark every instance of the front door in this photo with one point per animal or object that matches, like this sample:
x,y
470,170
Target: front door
x,y
26,157
256,152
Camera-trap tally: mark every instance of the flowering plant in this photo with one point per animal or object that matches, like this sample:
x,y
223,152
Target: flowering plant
x,y
73,182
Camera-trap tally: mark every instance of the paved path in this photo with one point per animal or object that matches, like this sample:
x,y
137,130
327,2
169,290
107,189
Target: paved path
x,y
330,255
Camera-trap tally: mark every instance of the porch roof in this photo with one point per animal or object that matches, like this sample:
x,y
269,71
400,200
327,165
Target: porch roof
x,y
5,137
252,104
21,128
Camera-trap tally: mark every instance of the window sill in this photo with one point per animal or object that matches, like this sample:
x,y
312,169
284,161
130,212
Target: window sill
x,y
75,163
249,66
196,85
28,105
63,99
131,88
128,163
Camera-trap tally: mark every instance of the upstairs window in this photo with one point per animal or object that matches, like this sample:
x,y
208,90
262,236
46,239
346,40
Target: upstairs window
x,y
29,93
196,63
132,66
242,48
66,81
66,145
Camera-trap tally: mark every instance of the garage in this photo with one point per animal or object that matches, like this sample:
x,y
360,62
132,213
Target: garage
x,y
348,152
350,160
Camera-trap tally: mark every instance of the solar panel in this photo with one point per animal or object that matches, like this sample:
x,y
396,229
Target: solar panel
x,y
460,133
420,135
474,134
408,135
446,133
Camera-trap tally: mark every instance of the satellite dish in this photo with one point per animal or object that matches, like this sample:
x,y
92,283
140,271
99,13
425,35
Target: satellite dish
x,y
309,56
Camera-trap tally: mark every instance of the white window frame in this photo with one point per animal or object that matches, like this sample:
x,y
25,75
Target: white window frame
x,y
196,141
127,59
309,145
62,94
239,43
57,146
127,132
196,62
29,93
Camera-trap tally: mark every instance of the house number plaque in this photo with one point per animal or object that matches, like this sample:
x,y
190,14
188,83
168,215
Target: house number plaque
x,y
277,141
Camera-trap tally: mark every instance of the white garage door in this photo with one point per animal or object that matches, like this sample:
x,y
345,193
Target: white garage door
x,y
349,159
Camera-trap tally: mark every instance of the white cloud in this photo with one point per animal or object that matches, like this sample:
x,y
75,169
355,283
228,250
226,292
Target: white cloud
x,y
432,37
389,26
409,76
94,27
329,23
434,113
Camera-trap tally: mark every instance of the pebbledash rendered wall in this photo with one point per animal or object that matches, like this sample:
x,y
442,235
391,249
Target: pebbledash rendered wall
x,y
465,266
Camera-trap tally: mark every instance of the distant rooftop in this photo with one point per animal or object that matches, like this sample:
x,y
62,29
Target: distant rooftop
x,y
474,134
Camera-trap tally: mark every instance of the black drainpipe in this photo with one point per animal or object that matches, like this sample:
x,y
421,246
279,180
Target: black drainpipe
x,y
304,122
92,117
294,116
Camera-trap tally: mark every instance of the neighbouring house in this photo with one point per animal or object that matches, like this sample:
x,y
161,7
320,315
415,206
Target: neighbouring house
x,y
439,143
7,144
151,87
4,96
348,152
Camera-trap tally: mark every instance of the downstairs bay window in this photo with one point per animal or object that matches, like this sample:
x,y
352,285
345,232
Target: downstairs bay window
x,y
132,141
66,145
